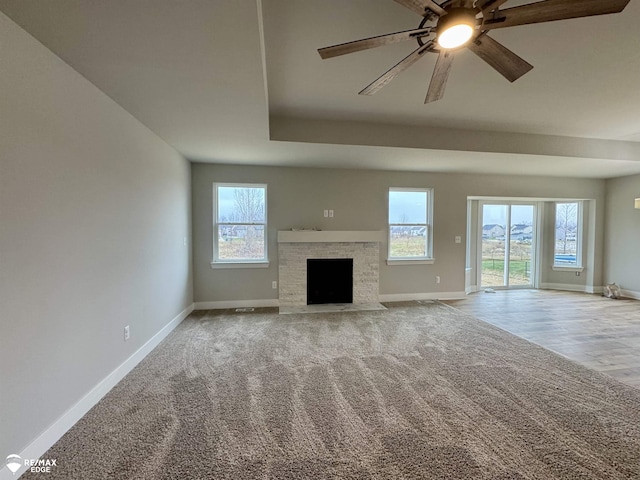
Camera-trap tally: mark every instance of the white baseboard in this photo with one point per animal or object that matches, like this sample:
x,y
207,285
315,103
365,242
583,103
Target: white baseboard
x,y
407,297
52,434
394,297
564,286
631,294
571,287
269,302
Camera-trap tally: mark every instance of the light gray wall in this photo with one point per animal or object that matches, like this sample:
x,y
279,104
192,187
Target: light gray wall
x,y
298,196
622,255
93,212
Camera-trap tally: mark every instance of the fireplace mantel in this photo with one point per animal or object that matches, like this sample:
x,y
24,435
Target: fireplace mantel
x,y
330,236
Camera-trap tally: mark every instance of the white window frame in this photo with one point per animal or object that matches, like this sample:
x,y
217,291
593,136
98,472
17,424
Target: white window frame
x,y
428,258
238,263
578,267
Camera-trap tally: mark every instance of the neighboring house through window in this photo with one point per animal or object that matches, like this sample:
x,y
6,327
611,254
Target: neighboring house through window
x,y
493,230
240,225
410,225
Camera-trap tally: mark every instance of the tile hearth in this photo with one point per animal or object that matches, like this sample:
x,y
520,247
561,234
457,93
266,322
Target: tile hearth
x,y
332,307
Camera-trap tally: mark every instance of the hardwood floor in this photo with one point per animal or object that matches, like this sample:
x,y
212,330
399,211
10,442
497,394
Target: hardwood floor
x,y
597,332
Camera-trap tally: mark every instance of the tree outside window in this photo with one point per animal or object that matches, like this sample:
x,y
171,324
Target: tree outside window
x,y
567,234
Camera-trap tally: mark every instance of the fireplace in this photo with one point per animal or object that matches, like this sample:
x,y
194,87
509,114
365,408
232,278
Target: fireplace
x,y
329,280
296,247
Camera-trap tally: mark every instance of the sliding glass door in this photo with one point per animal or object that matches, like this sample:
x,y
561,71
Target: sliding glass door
x,y
494,240
521,240
507,244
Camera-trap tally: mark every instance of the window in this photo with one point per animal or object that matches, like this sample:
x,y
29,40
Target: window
x,y
410,225
240,224
568,235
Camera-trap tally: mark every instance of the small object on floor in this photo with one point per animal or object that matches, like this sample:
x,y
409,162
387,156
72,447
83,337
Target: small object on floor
x,y
489,290
612,291
245,309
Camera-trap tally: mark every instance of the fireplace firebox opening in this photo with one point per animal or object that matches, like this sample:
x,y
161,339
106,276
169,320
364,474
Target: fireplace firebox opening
x,y
329,280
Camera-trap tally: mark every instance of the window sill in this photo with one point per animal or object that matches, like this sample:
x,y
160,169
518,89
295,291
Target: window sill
x,y
560,268
216,265
415,261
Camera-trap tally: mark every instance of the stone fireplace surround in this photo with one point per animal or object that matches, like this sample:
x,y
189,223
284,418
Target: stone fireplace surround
x,y
295,247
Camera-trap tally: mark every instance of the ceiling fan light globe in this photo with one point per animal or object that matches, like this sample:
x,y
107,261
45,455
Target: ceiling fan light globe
x,y
456,28
455,36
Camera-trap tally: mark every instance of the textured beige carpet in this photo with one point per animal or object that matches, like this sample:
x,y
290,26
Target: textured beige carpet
x,y
417,391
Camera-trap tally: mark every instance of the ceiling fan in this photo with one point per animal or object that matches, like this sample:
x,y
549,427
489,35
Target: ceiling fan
x,y
456,24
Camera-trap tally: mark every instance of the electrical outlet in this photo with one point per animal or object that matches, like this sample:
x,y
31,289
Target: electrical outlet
x,y
458,239
577,274
330,213
126,333
326,213
184,241
437,278
274,284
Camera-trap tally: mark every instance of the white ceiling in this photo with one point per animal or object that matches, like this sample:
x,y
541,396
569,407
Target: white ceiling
x,y
235,81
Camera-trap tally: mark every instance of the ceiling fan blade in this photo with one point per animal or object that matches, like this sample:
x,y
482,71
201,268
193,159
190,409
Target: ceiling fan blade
x,y
390,74
488,6
366,43
440,76
423,7
551,10
507,63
